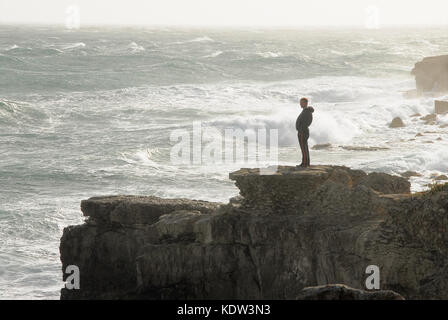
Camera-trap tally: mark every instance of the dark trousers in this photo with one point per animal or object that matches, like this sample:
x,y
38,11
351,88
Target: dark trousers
x,y
303,141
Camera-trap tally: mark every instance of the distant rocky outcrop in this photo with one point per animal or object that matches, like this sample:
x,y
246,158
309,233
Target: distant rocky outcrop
x,y
440,107
431,74
321,146
327,146
409,174
359,148
396,123
290,229
429,119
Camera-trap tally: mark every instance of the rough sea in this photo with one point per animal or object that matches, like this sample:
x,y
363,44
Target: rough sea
x,y
90,112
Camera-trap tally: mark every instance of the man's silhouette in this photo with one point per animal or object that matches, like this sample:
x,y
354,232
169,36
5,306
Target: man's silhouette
x,y
303,122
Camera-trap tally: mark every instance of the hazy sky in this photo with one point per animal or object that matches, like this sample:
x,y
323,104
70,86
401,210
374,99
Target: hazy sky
x,y
228,12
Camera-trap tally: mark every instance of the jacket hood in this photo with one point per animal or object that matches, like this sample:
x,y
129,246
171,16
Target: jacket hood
x,y
311,109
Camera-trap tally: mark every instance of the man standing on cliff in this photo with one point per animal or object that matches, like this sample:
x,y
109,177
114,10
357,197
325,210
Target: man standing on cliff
x,y
302,123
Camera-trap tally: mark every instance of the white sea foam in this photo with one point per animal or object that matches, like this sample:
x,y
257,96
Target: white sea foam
x,y
270,54
202,39
14,46
73,46
195,40
214,54
135,48
438,160
326,128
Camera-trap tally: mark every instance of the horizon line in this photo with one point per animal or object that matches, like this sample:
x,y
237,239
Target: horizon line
x,y
224,26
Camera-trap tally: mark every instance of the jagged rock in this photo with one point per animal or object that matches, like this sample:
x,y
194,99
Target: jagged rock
x,y
293,188
342,292
430,118
385,183
117,228
397,123
441,177
287,230
357,148
409,174
145,210
431,74
440,107
321,146
289,187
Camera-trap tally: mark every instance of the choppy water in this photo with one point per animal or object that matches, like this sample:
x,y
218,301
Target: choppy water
x,y
90,112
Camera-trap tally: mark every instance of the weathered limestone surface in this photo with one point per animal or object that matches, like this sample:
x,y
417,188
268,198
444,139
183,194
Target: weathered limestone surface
x,y
289,230
293,190
342,292
431,74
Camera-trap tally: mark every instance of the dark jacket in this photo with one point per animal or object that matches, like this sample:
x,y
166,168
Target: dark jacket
x,y
304,120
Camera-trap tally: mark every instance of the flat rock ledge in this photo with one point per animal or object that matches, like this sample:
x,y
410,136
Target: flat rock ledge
x,y
288,230
295,187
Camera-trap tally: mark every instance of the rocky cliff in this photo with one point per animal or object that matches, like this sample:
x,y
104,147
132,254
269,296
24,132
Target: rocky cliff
x,y
431,74
289,230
